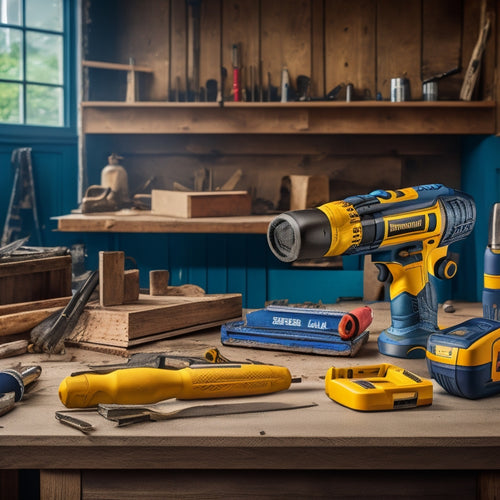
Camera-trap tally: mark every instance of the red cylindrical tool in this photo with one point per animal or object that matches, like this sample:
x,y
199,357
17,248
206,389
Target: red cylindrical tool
x,y
355,322
236,74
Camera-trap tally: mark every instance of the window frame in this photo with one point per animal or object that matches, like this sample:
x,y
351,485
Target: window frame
x,y
69,85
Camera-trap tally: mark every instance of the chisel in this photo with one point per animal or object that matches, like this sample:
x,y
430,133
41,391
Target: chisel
x,y
150,385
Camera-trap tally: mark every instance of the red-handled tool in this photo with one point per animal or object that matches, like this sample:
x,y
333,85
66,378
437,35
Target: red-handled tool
x,y
236,73
355,322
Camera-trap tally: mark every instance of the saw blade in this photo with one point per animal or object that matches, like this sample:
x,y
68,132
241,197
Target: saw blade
x,y
131,414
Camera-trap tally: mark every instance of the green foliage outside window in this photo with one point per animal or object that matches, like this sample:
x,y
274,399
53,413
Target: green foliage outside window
x,y
31,75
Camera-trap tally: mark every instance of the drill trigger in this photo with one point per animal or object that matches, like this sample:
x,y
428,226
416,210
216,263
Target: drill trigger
x,y
384,274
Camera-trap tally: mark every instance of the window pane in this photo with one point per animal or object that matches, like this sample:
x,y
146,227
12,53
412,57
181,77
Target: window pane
x,y
44,58
11,54
44,14
44,105
11,12
10,103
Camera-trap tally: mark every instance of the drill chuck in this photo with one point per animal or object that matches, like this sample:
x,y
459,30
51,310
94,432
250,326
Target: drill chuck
x,y
301,234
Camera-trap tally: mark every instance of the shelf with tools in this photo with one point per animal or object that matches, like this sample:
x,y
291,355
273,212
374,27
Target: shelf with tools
x,y
357,117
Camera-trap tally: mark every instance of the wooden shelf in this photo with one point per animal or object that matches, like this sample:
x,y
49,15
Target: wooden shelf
x,y
358,117
128,221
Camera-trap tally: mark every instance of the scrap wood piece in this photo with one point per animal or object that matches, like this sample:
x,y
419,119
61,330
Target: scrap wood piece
x,y
111,278
19,322
14,348
472,73
158,282
131,286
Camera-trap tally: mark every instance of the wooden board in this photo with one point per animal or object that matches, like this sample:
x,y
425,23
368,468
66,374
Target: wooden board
x,y
442,44
286,39
200,203
152,318
399,45
240,24
350,30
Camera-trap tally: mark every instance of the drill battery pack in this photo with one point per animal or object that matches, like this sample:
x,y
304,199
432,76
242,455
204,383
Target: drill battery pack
x,y
465,359
377,387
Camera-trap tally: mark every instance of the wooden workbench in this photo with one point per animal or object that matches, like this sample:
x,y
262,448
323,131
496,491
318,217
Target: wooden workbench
x,y
450,449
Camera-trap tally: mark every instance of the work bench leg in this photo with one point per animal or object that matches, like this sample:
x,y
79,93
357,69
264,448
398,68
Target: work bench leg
x,y
60,485
489,485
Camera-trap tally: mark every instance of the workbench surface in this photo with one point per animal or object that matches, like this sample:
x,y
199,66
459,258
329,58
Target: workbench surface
x,y
452,433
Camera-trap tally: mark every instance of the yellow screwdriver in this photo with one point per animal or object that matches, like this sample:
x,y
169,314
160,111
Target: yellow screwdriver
x,y
150,385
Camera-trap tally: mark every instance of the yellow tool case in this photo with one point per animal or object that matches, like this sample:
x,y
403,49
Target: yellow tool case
x,y
377,387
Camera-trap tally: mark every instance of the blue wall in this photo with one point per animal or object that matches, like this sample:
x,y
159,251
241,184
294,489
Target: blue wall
x,y
55,172
481,179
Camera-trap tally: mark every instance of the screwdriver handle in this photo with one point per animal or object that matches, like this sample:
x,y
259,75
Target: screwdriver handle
x,y
150,385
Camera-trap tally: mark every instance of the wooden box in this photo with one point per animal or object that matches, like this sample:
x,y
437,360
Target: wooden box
x,y
35,279
200,203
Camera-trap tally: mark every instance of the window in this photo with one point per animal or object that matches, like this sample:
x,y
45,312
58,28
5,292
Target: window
x,y
32,62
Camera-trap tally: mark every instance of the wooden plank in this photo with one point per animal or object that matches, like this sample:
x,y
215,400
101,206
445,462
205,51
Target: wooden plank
x,y
147,47
19,322
147,223
165,316
442,44
313,147
200,204
350,31
286,39
116,66
34,266
111,279
210,41
34,305
299,484
60,484
178,50
131,285
399,45
240,24
318,88
361,117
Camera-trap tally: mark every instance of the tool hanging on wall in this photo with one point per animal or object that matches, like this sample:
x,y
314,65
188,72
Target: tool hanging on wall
x,y
236,73
22,197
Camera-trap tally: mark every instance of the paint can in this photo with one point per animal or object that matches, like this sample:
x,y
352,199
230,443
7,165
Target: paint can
x,y
430,91
400,89
348,92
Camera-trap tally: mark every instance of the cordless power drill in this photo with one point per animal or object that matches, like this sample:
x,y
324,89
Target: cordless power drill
x,y
406,231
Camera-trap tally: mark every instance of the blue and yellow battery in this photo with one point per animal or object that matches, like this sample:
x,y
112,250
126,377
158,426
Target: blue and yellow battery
x,y
465,359
491,290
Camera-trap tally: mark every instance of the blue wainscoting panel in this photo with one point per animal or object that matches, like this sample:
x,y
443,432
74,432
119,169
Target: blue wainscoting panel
x,y
480,179
327,286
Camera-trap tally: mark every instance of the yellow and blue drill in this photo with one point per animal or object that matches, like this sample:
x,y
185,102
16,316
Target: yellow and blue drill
x,y
407,231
